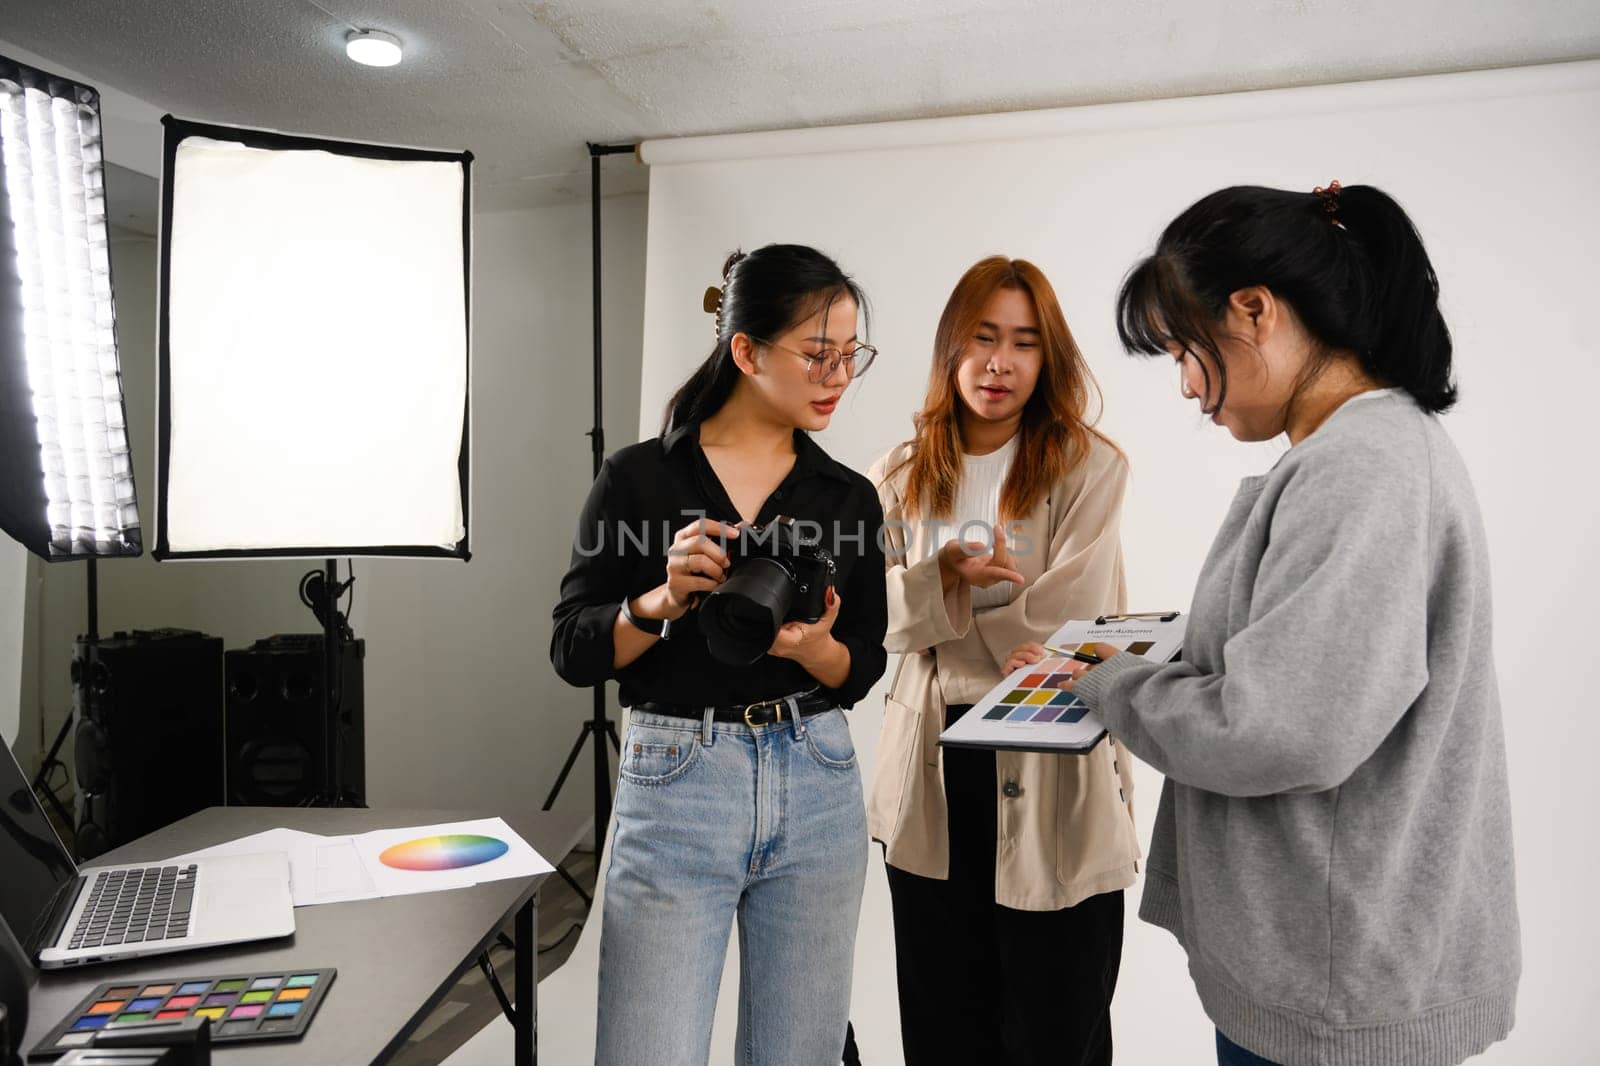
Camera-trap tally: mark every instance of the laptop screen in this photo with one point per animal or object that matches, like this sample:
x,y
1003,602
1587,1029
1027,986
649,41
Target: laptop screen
x,y
31,854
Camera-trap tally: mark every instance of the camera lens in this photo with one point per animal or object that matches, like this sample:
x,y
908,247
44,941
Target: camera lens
x,y
741,618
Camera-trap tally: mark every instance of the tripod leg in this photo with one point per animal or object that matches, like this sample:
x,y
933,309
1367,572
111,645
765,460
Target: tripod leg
x,y
56,805
572,758
611,730
41,782
50,759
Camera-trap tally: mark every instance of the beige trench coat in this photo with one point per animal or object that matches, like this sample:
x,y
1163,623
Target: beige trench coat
x,y
1065,828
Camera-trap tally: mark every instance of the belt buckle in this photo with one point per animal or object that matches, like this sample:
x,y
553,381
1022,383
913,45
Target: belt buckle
x,y
765,703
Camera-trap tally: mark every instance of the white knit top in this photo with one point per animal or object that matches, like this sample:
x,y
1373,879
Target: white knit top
x,y
978,503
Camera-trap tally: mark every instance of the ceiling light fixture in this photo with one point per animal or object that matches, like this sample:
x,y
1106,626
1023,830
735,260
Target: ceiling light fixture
x,y
374,48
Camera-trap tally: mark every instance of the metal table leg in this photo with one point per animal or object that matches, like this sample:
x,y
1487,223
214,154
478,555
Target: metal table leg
x,y
527,993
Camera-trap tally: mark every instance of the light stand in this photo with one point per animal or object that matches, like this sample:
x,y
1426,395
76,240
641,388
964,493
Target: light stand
x,y
599,726
324,596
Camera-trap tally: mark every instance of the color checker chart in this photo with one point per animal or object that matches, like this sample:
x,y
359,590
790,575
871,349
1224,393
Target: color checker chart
x,y
246,1007
1039,697
1028,711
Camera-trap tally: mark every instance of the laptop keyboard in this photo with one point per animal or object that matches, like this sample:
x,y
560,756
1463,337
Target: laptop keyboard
x,y
136,907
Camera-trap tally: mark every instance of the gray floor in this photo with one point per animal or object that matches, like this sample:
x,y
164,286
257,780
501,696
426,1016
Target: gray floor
x,y
471,1004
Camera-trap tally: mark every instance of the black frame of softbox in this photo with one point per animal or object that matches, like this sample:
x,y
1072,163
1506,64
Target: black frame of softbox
x,y
175,131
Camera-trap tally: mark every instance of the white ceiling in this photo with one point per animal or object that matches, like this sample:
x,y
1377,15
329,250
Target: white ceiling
x,y
524,83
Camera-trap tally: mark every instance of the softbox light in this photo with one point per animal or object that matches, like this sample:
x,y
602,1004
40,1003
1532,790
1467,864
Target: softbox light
x,y
66,476
314,344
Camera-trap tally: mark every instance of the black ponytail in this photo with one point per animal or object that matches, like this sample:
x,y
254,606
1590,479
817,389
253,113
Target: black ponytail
x,y
1349,261
764,294
1411,344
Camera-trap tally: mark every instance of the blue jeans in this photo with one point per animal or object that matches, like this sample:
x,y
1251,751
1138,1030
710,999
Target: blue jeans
x,y
718,822
1231,1054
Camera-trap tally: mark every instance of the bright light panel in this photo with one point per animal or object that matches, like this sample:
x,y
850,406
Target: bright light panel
x,y
315,351
373,48
55,193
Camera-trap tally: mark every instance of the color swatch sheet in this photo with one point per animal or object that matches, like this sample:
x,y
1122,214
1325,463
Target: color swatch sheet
x,y
393,862
1028,711
240,1007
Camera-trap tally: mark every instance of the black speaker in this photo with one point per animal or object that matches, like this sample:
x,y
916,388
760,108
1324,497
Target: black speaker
x,y
276,733
148,747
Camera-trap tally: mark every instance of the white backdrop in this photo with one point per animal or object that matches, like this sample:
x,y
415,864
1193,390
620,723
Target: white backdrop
x,y
1497,169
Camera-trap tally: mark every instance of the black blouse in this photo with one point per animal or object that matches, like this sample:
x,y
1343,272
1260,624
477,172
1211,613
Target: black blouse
x,y
646,493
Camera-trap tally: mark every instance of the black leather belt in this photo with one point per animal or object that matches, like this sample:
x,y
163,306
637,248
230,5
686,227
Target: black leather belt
x,y
767,712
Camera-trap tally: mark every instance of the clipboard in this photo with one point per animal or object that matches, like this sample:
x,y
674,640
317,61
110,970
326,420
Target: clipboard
x,y
1027,711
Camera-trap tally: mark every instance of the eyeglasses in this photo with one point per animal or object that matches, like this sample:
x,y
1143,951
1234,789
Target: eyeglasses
x,y
821,365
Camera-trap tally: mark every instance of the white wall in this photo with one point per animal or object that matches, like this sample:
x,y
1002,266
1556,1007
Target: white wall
x,y
238,601
13,613
462,708
1496,169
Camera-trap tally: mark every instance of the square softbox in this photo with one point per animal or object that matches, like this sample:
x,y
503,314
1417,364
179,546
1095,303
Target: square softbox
x,y
314,347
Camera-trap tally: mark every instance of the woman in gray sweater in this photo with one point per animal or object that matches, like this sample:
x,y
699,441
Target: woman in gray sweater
x,y
1333,844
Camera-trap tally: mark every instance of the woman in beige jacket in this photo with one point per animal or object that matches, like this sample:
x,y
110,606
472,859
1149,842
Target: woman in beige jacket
x,y
1006,869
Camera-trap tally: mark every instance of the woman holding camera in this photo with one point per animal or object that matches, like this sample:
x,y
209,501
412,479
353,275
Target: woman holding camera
x,y
1006,869
739,796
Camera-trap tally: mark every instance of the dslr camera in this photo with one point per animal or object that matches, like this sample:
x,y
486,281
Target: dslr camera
x,y
776,574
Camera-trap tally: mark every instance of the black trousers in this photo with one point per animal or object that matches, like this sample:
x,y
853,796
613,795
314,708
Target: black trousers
x,y
982,983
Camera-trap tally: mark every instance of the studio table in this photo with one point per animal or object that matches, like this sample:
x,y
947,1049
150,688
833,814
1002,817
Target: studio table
x,y
396,957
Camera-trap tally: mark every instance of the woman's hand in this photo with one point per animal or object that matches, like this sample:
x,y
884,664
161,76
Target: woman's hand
x,y
1105,651
1023,655
1033,652
696,564
804,642
978,564
811,644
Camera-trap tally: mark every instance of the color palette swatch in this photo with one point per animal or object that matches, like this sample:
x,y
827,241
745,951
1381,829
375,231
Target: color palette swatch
x,y
444,852
275,1006
1029,711
1038,697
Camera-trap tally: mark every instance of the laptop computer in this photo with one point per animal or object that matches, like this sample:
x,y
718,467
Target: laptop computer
x,y
66,917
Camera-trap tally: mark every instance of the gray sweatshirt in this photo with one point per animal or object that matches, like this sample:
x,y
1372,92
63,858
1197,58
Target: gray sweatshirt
x,y
1333,844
